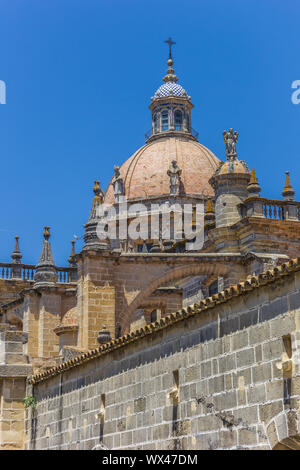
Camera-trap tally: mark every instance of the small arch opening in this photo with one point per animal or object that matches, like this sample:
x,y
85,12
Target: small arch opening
x,y
188,123
213,288
153,316
178,120
165,121
155,123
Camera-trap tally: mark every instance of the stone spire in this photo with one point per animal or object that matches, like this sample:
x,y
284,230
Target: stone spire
x,y
16,256
73,263
71,258
92,241
209,215
288,192
45,275
253,186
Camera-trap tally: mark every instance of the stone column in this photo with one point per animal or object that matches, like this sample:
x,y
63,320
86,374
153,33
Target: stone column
x,y
49,317
16,269
42,314
96,297
31,321
14,368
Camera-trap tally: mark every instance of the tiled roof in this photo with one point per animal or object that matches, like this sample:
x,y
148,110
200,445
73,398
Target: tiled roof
x,y
170,88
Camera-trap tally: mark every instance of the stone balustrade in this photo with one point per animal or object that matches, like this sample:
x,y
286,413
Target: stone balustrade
x,y
26,272
270,209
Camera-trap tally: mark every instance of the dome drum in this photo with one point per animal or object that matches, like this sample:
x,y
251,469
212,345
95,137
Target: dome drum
x,y
171,116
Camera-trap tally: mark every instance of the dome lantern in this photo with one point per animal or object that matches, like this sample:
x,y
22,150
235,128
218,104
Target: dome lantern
x,y
171,106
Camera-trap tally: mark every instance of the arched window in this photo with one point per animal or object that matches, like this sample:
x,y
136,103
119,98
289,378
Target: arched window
x,y
155,123
178,120
153,316
188,122
164,121
119,331
213,288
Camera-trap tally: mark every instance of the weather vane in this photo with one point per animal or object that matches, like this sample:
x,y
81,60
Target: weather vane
x,y
171,43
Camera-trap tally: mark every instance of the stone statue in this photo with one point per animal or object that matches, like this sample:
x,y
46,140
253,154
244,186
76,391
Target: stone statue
x,y
174,173
230,138
118,184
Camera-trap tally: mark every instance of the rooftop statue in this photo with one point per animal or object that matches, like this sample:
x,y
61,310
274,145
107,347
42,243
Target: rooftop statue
x,y
230,139
118,184
174,173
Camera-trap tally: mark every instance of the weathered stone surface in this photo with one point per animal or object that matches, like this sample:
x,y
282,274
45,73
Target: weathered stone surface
x,y
225,392
269,410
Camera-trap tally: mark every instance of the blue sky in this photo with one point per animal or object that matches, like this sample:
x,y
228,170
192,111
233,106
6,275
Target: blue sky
x,y
79,77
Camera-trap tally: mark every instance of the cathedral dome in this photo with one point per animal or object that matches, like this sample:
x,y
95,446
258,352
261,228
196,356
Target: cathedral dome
x,y
145,174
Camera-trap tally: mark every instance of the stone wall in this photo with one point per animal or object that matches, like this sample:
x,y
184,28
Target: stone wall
x,y
225,378
112,287
14,368
11,288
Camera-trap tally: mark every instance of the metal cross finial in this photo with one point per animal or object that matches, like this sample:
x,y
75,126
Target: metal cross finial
x,y
170,42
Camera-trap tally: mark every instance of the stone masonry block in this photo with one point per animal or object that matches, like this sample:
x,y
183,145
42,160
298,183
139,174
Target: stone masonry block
x,y
240,340
256,394
282,326
262,373
269,410
245,357
227,363
275,390
259,334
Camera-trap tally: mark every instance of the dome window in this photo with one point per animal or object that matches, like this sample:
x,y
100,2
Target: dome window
x,y
188,123
155,123
165,121
178,120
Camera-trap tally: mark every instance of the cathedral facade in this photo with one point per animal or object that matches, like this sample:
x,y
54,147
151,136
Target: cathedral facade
x,y
177,325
